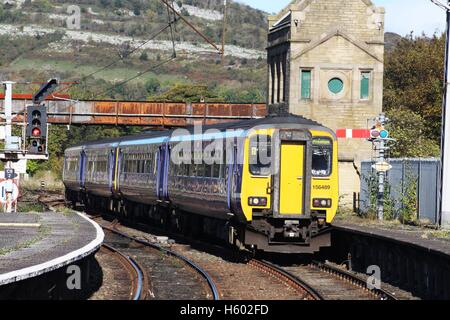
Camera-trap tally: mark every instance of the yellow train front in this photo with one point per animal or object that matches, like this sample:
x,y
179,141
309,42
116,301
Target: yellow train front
x,y
266,184
289,201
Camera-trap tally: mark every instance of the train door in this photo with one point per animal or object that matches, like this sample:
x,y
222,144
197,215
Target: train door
x,y
230,161
160,171
112,168
82,168
293,178
166,171
117,169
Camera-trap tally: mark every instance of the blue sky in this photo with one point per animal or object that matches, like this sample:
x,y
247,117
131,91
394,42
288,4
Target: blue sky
x,y
402,16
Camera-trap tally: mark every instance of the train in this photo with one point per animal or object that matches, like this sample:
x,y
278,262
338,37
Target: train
x,y
268,184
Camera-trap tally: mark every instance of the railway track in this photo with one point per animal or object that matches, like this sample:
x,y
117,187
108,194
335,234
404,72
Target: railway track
x,y
303,288
313,281
157,266
171,276
52,201
334,283
299,290
125,274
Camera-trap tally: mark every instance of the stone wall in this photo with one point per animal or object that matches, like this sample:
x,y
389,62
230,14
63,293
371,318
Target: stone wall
x,y
333,39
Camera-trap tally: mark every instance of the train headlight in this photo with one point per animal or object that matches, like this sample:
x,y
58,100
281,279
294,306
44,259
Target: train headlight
x,y
322,203
257,201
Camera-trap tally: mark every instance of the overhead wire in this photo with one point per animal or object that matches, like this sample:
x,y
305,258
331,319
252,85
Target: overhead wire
x,y
170,25
84,78
152,68
141,73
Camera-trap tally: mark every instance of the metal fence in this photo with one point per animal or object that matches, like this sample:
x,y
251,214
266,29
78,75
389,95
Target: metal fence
x,y
425,173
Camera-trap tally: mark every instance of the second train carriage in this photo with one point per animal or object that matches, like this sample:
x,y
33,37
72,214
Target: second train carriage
x,y
283,204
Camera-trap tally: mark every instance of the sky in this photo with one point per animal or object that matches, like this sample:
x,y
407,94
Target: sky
x,y
402,16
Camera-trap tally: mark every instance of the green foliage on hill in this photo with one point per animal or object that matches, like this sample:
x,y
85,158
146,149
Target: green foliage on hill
x,y
246,26
39,57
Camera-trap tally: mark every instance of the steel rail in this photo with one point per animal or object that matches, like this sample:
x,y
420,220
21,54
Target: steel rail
x,y
289,278
197,268
138,294
137,286
354,279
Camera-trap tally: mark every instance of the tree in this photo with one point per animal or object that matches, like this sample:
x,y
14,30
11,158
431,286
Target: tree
x,y
188,93
144,56
152,86
414,72
408,128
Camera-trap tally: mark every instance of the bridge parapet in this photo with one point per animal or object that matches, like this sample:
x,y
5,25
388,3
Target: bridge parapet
x,y
159,114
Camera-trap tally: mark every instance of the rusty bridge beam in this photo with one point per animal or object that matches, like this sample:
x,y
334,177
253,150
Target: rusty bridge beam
x,y
167,114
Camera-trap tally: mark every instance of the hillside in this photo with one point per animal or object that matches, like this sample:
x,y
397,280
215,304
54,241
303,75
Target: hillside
x,y
391,40
38,44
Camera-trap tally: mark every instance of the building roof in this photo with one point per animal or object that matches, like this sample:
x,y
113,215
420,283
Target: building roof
x,y
301,5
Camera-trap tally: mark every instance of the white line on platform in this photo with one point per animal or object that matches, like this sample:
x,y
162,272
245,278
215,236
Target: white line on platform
x,y
20,225
57,263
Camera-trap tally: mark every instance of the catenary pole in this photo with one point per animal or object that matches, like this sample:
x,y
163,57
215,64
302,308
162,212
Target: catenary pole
x,y
445,136
445,146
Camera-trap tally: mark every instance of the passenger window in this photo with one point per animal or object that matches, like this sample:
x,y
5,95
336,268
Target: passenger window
x,y
155,163
208,170
216,170
200,170
260,155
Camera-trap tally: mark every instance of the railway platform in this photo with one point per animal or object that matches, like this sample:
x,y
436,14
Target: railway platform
x,y
424,239
414,259
36,247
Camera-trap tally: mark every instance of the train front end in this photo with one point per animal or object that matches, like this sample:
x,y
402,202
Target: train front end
x,y
289,191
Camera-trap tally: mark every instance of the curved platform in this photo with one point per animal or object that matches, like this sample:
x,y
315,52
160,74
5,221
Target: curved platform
x,y
413,259
34,244
413,237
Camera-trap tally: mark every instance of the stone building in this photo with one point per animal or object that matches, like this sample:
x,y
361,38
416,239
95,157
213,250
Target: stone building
x,y
325,61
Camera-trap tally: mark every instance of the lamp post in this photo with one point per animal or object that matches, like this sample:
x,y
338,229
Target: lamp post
x,y
445,137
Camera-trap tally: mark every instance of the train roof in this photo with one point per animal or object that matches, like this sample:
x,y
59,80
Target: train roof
x,y
243,124
247,124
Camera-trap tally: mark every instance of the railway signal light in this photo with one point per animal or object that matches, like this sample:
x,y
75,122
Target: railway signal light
x,y
46,90
37,129
379,133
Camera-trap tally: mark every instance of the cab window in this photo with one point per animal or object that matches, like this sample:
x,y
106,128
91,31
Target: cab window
x,y
260,155
322,157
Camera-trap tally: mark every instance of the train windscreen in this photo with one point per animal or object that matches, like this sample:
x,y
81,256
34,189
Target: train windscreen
x,y
322,157
261,155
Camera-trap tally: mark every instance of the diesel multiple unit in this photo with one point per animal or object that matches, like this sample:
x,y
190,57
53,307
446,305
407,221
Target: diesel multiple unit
x,y
268,184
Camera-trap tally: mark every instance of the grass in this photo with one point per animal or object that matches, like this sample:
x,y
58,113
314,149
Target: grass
x,y
65,211
42,233
30,207
420,227
52,183
110,74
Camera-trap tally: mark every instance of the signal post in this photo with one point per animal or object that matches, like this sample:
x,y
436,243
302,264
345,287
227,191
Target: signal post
x,y
33,146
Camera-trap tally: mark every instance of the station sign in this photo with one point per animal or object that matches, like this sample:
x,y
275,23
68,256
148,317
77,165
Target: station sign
x,y
10,174
382,166
8,189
